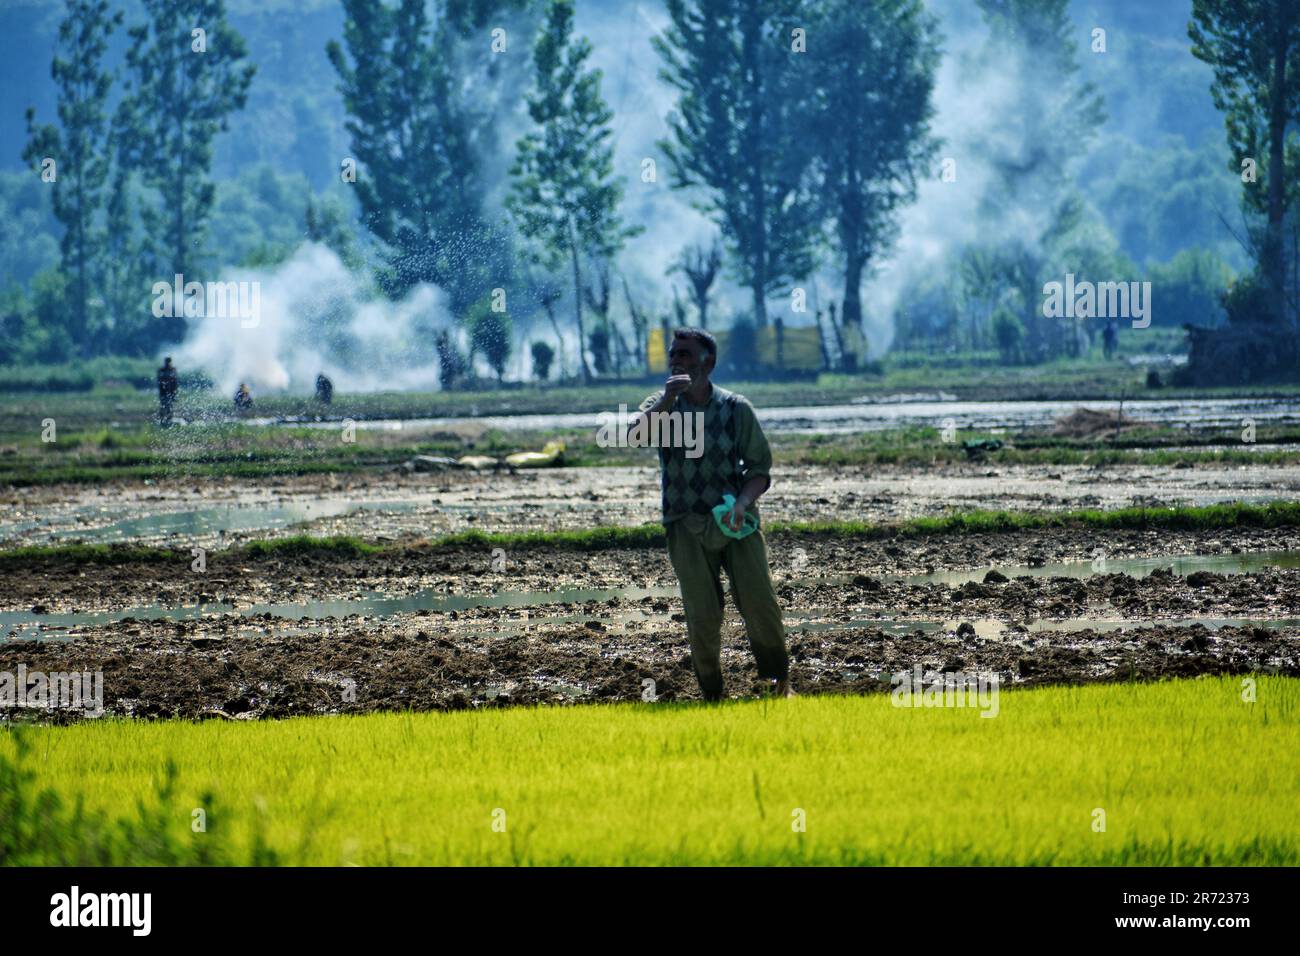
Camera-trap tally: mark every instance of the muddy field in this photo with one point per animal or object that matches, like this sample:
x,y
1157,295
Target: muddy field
x,y
388,505
428,626
812,562
185,670
557,626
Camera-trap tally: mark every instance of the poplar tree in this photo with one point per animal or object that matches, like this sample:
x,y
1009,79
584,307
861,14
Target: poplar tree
x,y
564,196
77,152
420,119
133,328
876,61
739,132
1254,48
187,73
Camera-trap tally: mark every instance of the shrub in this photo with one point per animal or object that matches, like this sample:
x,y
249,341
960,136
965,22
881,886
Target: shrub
x,y
1010,335
451,364
1247,300
598,341
741,357
543,355
490,332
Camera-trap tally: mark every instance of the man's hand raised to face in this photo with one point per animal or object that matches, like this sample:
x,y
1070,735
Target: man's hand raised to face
x,y
675,385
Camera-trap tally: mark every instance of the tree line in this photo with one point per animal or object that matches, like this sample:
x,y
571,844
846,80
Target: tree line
x,y
801,129
179,83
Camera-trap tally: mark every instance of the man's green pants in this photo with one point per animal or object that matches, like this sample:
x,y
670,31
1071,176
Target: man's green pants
x,y
698,550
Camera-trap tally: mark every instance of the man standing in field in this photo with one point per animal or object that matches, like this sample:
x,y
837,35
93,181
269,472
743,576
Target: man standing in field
x,y
735,459
168,384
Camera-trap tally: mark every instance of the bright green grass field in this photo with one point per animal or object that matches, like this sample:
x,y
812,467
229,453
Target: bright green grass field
x,y
1186,773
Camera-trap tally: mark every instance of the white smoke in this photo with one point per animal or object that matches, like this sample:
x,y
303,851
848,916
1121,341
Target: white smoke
x,y
969,104
316,316
620,36
980,102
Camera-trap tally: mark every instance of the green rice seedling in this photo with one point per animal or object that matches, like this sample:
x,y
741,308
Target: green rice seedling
x,y
1188,772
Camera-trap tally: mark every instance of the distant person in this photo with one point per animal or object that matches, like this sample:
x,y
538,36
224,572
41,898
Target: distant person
x,y
324,389
243,398
168,384
1110,338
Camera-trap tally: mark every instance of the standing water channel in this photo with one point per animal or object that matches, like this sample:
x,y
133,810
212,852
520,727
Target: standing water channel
x,y
901,412
25,625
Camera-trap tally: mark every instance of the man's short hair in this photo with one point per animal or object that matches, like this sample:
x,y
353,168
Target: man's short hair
x,y
699,335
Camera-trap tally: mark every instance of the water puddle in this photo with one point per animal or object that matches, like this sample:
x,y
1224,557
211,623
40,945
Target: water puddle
x,y
193,523
27,625
200,523
1182,564
21,624
993,629
881,414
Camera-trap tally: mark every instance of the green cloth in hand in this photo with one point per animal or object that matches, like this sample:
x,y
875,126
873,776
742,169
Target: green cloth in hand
x,y
748,526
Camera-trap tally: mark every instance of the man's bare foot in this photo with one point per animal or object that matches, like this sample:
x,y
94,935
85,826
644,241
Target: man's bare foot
x,y
783,689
